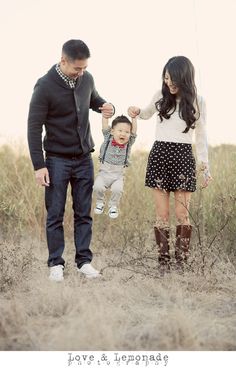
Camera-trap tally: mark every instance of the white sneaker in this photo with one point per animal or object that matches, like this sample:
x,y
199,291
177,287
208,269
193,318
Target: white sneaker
x,y
89,272
99,208
113,212
56,273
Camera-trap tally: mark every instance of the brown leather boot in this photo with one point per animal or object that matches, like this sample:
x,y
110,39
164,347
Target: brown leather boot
x,y
183,236
162,239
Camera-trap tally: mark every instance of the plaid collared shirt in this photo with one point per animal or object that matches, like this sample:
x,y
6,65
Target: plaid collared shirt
x,y
69,81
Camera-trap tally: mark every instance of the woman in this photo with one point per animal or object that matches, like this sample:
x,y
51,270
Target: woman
x,y
171,164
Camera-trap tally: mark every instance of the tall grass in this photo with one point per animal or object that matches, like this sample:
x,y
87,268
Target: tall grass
x,y
212,210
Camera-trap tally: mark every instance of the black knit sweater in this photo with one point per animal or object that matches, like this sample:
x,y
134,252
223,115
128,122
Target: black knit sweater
x,y
64,112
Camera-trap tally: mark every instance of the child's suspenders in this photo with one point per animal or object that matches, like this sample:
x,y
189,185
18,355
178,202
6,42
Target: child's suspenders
x,y
106,147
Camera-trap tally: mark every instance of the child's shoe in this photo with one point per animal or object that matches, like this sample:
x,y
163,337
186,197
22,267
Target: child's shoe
x,y
113,212
99,208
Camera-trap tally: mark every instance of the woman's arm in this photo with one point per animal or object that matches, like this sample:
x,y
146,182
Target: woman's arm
x,y
148,111
202,145
201,135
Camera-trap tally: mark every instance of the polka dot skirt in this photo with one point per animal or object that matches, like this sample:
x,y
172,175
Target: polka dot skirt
x,y
171,166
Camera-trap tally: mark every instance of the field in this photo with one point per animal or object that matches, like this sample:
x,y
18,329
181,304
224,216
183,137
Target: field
x,y
130,307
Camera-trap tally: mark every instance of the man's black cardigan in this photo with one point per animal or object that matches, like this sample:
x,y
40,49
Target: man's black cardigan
x,y
65,114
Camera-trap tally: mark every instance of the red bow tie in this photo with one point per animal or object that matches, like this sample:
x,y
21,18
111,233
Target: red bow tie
x,y
114,143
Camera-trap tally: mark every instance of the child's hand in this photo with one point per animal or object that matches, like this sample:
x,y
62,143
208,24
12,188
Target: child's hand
x,y
133,111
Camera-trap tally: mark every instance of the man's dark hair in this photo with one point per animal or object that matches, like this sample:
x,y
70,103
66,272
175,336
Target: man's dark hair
x,y
121,119
76,50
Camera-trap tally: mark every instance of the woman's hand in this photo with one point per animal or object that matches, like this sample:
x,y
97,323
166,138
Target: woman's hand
x,y
207,178
133,111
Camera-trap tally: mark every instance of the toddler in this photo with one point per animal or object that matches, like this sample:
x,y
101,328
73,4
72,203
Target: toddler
x,y
114,157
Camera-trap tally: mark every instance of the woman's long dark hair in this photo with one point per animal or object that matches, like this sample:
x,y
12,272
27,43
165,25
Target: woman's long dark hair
x,y
182,73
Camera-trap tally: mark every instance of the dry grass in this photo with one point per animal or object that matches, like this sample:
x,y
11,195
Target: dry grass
x,y
130,307
123,310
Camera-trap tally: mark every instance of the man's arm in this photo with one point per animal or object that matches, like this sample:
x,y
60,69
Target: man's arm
x,y
98,104
37,116
96,101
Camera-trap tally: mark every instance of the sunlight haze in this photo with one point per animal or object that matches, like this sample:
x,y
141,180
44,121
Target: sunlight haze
x,y
130,41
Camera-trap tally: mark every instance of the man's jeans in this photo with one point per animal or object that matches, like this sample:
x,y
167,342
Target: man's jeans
x,y
79,173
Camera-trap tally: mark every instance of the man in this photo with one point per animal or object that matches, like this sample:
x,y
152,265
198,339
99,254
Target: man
x,y
60,102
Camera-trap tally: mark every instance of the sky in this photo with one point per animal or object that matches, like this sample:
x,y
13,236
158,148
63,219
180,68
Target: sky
x,y
130,42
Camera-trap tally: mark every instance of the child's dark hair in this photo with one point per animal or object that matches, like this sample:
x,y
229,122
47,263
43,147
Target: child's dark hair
x,y
121,119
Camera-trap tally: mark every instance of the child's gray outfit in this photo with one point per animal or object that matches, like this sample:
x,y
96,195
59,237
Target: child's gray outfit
x,y
114,158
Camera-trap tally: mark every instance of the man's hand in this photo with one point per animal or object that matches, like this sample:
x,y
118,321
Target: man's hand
x,y
133,111
42,177
107,110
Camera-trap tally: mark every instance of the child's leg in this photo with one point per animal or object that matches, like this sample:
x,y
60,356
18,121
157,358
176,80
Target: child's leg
x,y
99,188
116,192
